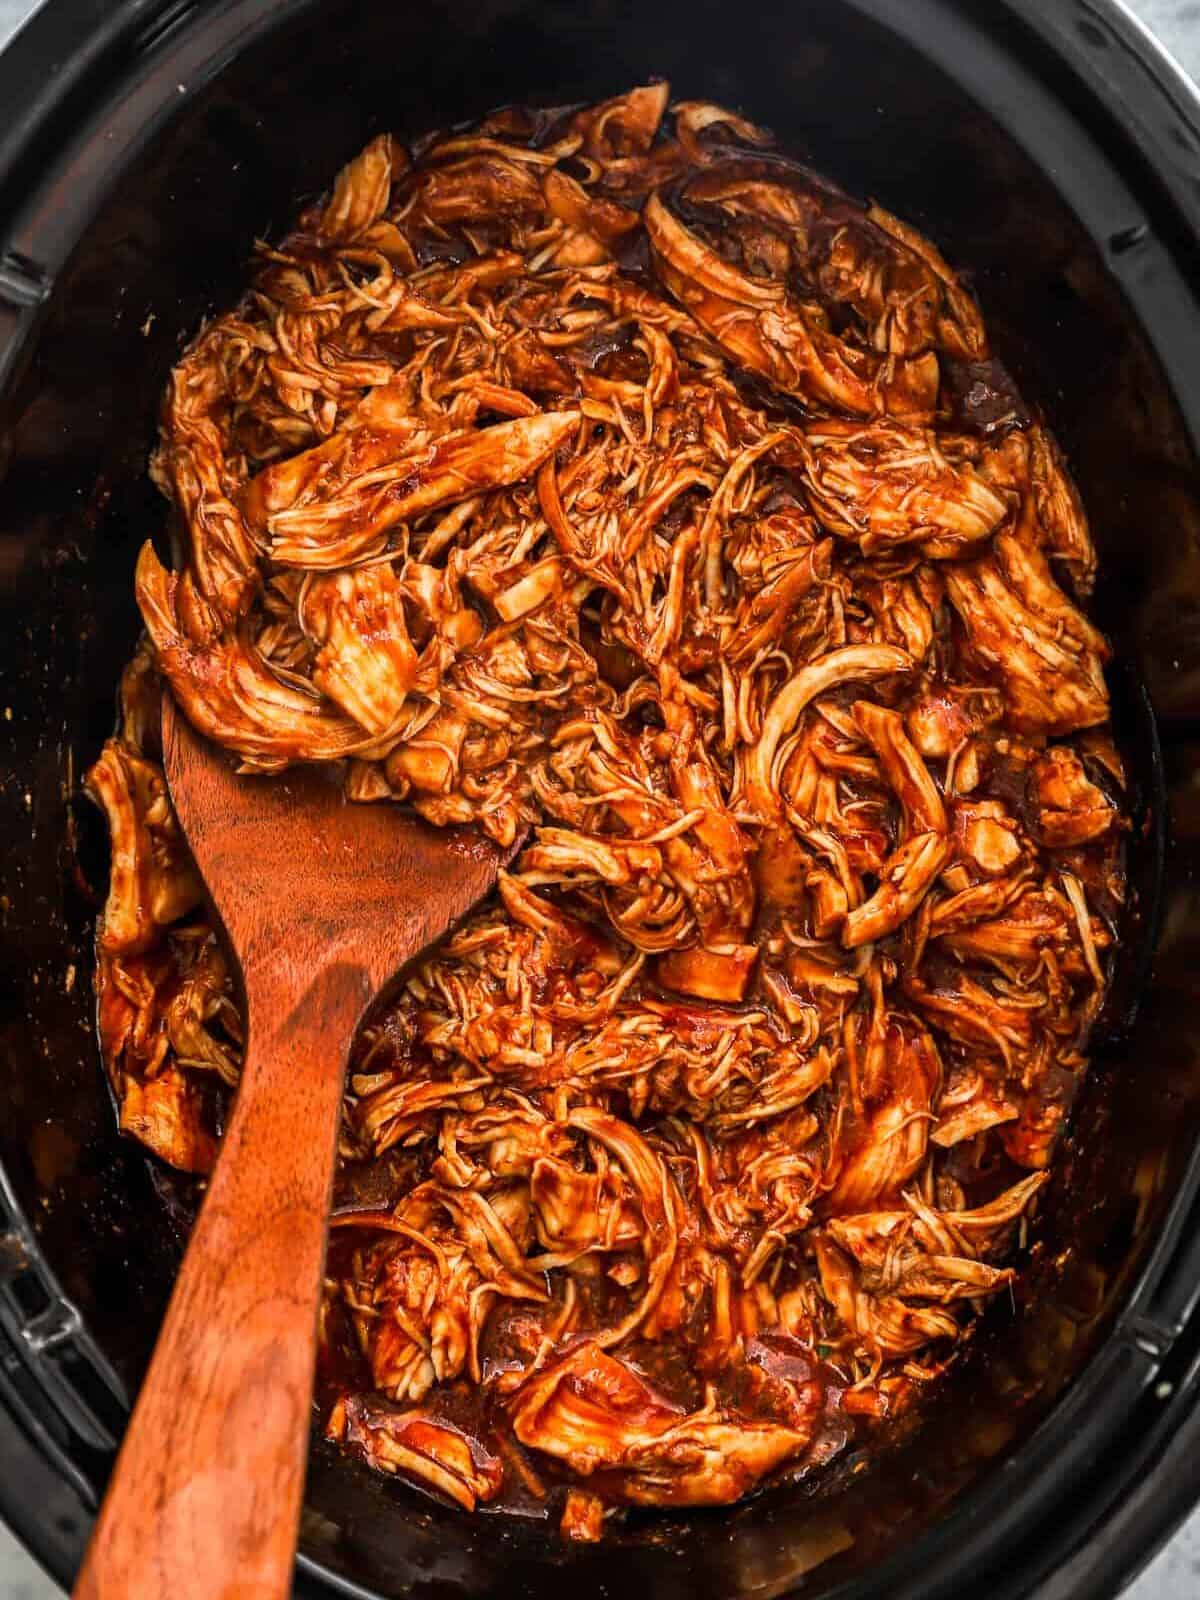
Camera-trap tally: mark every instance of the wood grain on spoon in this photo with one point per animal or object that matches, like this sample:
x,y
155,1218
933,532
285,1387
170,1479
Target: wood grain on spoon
x,y
323,902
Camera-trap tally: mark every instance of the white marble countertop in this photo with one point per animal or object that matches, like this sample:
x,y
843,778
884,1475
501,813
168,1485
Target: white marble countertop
x,y
1175,1574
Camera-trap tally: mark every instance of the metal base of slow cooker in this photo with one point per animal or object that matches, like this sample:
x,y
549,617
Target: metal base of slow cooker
x,y
1051,149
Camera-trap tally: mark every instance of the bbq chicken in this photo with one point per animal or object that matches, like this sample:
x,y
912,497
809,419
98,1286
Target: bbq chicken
x,y
599,473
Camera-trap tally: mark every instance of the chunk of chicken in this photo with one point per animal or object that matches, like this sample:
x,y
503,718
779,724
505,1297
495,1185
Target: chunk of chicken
x,y
762,618
174,1006
891,1139
598,220
226,688
657,1200
988,837
1032,924
476,188
366,661
152,881
625,125
1021,626
431,1284
593,1412
883,485
905,879
360,192
352,524
190,466
853,664
1071,810
418,1445
969,1108
906,774
583,1517
380,430
770,334
894,279
874,1266
965,1010
943,719
168,1114
1029,464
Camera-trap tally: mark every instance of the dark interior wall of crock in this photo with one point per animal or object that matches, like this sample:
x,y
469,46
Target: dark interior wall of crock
x,y
169,247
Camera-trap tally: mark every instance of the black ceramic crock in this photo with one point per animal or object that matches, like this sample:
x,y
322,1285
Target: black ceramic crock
x,y
1054,153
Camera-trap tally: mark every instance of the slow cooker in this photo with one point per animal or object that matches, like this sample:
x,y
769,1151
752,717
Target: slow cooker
x,y
1052,151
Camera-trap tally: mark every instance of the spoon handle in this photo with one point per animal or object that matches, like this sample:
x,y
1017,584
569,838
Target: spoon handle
x,y
204,1502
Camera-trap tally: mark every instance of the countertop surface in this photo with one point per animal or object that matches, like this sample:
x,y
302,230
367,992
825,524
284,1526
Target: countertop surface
x,y
1175,1574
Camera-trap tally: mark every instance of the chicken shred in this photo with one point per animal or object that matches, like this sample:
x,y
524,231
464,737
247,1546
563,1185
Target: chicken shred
x,y
596,472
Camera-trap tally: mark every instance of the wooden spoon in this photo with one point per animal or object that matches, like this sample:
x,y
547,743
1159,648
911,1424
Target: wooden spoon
x,y
323,901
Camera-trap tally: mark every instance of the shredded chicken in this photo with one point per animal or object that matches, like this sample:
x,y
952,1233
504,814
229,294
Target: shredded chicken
x,y
595,472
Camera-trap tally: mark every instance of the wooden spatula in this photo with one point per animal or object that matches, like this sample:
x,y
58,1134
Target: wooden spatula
x,y
323,901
